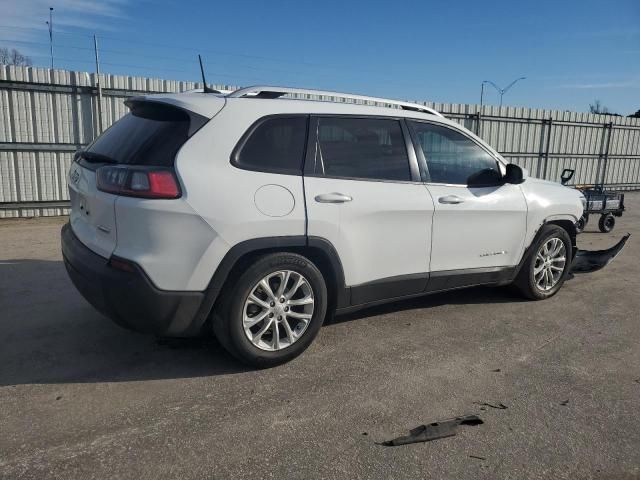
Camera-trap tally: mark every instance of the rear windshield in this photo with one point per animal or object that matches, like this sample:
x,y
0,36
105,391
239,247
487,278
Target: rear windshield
x,y
151,134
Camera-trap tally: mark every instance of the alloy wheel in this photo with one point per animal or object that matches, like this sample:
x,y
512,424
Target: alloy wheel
x,y
278,310
550,263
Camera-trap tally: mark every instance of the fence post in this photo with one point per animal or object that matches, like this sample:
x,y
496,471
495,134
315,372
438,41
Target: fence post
x,y
478,119
549,123
99,87
605,158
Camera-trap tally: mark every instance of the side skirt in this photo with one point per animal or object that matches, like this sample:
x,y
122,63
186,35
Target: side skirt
x,y
453,279
410,286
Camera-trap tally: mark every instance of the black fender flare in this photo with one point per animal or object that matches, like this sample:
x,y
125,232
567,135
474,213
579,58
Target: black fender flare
x,y
295,243
527,250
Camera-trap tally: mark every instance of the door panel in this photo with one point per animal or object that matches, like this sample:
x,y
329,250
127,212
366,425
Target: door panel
x,y
473,227
363,194
477,227
383,231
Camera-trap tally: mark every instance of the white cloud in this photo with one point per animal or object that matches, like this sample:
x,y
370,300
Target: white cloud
x,y
604,85
25,19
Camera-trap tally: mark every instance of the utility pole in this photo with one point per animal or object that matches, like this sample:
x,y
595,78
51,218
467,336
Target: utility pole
x,y
99,87
50,23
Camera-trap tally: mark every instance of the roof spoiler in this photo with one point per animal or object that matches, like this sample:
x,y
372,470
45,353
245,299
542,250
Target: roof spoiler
x,y
150,107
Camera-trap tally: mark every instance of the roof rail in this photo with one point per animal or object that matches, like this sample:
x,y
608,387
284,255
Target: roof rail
x,y
263,91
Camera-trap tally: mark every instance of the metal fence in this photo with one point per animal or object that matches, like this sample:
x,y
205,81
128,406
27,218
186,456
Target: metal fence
x,y
46,115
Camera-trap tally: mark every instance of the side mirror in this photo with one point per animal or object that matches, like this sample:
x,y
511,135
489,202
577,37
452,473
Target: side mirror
x,y
567,174
515,174
487,177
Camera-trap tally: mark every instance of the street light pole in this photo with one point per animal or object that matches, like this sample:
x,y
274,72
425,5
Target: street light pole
x,y
506,89
501,91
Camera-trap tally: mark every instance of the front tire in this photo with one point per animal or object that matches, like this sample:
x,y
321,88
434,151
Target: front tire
x,y
271,312
547,264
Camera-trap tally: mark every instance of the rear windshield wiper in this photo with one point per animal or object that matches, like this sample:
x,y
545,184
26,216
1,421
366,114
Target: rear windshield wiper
x,y
93,157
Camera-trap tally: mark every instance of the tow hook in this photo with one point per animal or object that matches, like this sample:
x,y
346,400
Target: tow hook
x,y
587,261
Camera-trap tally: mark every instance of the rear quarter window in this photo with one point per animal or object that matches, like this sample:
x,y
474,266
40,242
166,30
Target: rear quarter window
x,y
274,145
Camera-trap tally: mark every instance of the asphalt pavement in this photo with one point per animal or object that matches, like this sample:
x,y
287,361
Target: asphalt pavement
x,y
556,383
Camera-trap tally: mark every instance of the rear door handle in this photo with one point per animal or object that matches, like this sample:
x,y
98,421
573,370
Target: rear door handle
x,y
333,198
451,199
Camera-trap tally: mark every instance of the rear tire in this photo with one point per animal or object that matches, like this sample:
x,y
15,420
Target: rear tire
x,y
581,224
263,323
606,223
547,264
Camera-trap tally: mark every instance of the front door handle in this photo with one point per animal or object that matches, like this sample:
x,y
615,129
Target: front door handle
x,y
451,199
333,198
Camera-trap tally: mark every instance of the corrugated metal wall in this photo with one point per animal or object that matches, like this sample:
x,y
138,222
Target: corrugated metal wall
x,y
46,115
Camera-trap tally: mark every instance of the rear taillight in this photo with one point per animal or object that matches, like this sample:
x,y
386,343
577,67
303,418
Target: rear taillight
x,y
132,181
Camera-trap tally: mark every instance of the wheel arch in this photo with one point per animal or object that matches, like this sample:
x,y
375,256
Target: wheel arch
x,y
566,222
318,250
562,222
570,227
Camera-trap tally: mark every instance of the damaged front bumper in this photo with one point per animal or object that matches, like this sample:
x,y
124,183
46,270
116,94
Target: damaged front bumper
x,y
587,261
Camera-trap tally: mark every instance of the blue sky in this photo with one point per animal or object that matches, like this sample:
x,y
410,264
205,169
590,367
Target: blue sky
x,y
572,52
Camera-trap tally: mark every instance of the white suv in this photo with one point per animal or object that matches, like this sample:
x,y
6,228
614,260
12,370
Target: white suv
x,y
256,216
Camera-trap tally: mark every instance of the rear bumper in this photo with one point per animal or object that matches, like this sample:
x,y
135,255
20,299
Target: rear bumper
x,y
129,298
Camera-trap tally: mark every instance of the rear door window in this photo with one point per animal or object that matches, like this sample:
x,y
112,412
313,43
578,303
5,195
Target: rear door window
x,y
274,145
151,134
361,148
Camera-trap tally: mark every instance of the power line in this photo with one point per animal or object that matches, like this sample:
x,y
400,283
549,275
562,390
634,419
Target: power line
x,y
137,66
74,60
29,42
139,55
184,61
156,69
152,56
36,29
237,54
198,50
150,68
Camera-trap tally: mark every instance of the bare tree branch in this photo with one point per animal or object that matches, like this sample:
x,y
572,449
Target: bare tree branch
x,y
14,57
598,108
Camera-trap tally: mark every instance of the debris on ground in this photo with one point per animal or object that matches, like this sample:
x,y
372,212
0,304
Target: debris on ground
x,y
564,403
499,406
587,261
477,457
496,370
434,430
